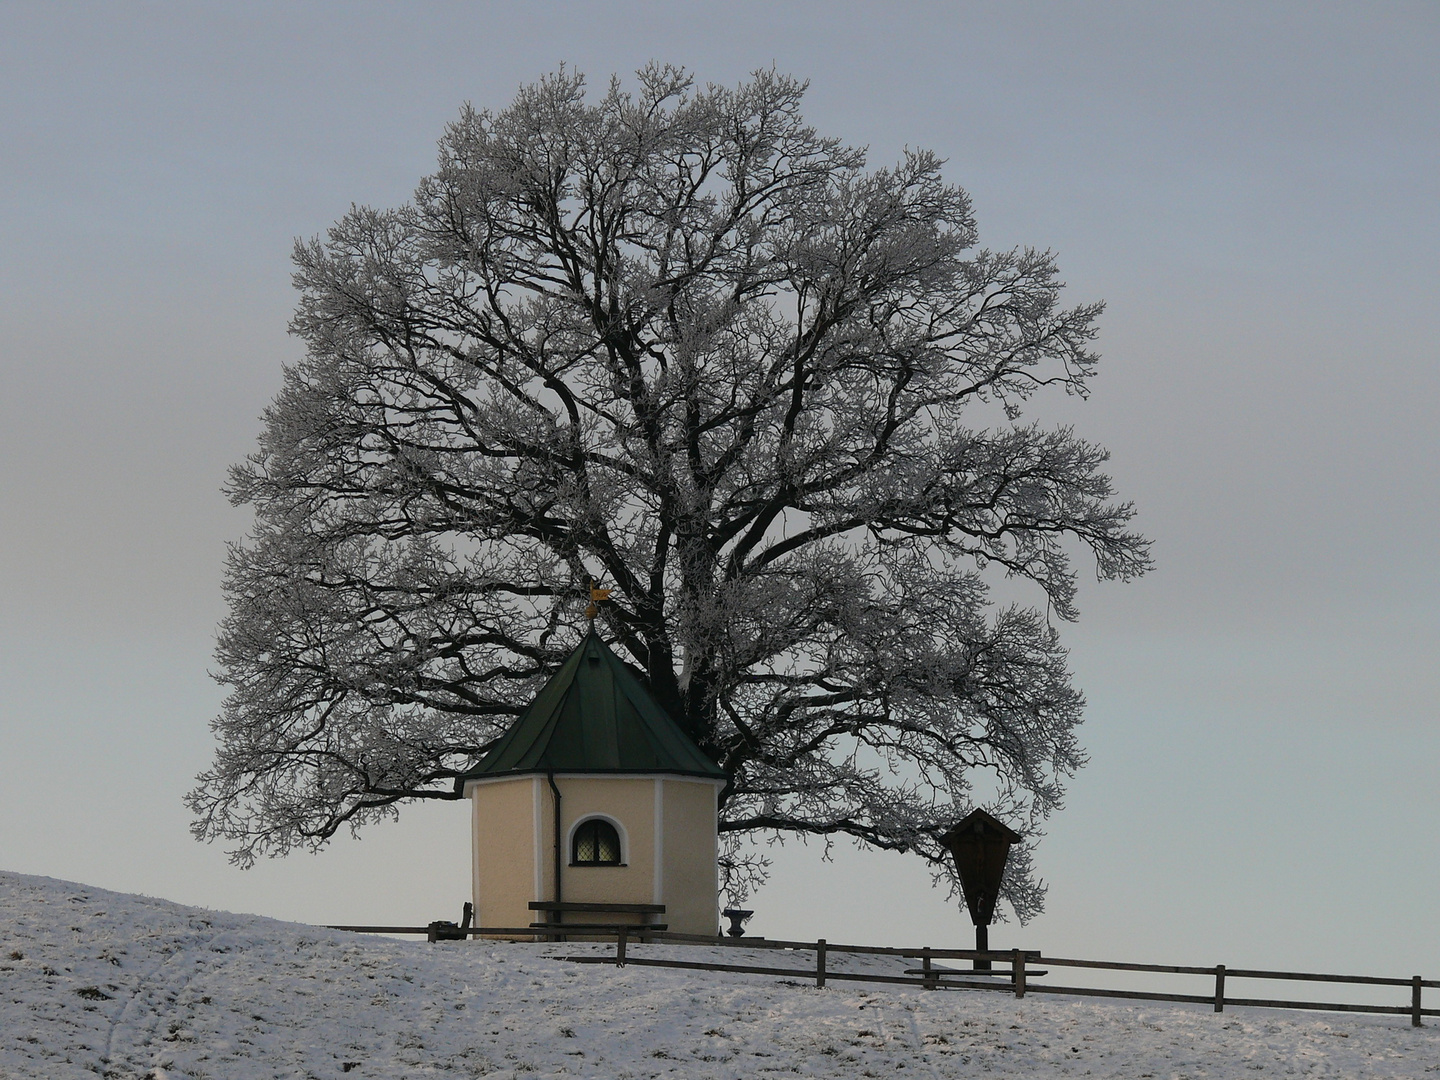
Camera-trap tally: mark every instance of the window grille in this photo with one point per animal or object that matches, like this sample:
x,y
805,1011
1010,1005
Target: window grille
x,y
596,843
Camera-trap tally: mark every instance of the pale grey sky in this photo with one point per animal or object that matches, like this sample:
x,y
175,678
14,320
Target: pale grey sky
x,y
1251,187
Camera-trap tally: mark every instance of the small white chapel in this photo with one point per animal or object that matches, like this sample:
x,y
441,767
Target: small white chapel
x,y
595,808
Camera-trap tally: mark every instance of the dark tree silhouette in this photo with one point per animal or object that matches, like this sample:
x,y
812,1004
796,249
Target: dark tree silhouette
x,y
677,342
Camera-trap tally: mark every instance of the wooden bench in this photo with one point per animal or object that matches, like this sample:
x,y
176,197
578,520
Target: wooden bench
x,y
443,930
638,930
996,973
555,912
936,976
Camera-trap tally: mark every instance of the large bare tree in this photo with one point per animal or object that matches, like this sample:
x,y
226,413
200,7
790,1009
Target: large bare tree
x,y
675,341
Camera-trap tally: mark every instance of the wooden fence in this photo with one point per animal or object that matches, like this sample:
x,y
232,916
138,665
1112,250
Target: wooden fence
x,y
1015,976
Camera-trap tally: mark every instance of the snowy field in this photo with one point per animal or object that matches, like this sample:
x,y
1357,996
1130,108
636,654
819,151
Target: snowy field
x,y
100,983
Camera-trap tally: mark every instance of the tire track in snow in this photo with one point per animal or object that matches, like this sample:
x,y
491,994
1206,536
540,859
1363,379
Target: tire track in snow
x,y
922,1052
119,1021
916,1040
168,992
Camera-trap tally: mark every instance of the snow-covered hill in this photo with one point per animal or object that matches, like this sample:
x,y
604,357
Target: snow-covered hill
x,y
101,983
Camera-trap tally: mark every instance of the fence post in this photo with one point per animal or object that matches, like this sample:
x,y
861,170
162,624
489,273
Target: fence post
x,y
1017,970
820,962
925,965
1219,987
620,936
1415,1001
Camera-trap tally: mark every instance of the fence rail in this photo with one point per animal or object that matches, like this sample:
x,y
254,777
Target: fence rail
x,y
1016,978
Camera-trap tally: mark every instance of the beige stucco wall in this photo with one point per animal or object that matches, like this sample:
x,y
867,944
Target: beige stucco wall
x,y
513,857
503,859
688,857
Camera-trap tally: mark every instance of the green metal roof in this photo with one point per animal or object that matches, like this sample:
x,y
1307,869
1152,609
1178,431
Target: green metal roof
x,y
593,716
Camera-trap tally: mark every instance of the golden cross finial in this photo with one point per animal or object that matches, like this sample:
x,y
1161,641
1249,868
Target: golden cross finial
x,y
597,597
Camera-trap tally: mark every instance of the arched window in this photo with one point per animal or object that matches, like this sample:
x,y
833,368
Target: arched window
x,y
596,843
